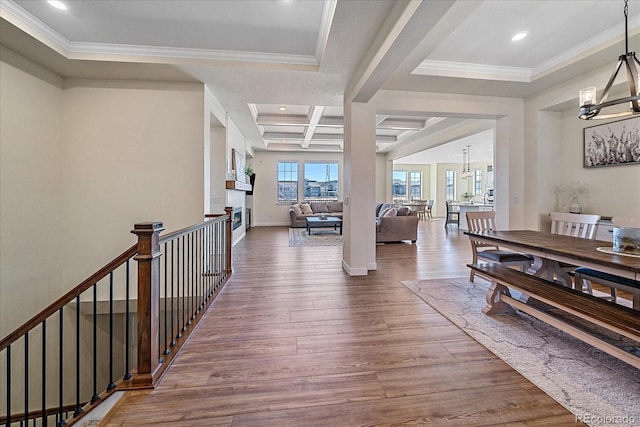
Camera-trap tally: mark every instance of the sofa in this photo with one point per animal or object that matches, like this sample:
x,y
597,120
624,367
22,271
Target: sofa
x,y
395,223
298,212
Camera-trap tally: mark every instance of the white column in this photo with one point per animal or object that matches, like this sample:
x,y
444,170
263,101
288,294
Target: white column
x,y
359,229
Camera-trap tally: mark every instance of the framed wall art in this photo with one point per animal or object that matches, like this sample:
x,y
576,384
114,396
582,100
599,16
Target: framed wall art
x,y
237,165
612,144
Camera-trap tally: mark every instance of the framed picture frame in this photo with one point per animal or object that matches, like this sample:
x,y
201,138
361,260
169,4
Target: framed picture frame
x,y
612,144
237,165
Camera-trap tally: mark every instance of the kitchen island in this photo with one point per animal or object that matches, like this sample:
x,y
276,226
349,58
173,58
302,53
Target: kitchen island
x,y
465,207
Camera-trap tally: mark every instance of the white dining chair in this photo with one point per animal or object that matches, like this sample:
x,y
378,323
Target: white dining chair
x,y
478,221
576,225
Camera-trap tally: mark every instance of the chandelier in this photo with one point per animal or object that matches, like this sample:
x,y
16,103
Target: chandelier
x,y
589,109
466,158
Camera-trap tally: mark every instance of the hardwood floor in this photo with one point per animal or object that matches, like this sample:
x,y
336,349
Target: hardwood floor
x,y
293,341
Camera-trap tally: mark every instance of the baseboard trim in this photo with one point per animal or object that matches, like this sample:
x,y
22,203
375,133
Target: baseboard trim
x,y
354,271
372,266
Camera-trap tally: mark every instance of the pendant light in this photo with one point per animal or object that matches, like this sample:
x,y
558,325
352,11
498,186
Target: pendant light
x,y
466,169
589,109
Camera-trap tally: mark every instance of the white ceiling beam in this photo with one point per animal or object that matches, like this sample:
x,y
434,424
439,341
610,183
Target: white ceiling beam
x,y
381,118
405,27
316,115
386,139
337,122
401,124
289,136
282,120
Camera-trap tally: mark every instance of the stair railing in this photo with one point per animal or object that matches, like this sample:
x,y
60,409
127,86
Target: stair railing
x,y
80,349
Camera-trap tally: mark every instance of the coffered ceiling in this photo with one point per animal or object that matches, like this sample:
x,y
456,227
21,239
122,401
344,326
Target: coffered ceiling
x,y
259,55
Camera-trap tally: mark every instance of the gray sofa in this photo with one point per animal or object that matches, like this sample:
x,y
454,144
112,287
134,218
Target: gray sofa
x,y
401,226
299,218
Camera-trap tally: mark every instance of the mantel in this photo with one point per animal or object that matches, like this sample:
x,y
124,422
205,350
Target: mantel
x,y
238,185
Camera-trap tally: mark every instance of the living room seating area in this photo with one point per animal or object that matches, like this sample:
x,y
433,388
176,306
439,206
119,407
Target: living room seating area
x,y
393,223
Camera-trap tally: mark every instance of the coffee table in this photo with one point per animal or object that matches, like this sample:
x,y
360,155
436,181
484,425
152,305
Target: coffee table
x,y
330,221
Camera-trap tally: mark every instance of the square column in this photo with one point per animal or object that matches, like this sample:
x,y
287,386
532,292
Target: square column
x,y
359,250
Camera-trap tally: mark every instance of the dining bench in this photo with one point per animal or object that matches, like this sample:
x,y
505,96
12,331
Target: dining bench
x,y
596,311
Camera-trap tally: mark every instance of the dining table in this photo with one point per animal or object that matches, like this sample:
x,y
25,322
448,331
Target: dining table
x,y
551,250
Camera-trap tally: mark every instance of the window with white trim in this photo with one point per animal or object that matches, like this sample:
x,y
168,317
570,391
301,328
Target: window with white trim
x,y
321,181
399,185
450,184
477,182
287,182
415,182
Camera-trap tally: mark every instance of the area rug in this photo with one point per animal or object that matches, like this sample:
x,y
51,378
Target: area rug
x,y
597,388
319,237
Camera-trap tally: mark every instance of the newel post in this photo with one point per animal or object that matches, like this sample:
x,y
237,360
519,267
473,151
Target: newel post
x,y
229,211
148,301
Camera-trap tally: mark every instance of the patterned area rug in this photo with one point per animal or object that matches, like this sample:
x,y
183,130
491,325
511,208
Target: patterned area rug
x,y
319,237
598,388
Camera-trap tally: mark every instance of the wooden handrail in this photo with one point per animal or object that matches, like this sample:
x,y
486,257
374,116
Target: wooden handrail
x,y
68,297
187,230
147,252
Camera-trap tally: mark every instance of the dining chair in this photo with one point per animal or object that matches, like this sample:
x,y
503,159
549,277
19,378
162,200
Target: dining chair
x,y
453,217
478,221
421,208
429,208
585,276
576,225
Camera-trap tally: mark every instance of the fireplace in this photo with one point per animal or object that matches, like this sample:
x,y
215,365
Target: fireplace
x,y
236,218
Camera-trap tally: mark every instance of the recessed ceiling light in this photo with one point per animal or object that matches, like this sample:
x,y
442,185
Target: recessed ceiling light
x,y
519,36
282,108
58,4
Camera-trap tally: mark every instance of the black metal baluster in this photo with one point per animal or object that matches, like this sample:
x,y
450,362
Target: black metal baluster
x,y
59,420
184,286
44,372
127,370
166,296
179,334
78,409
192,260
173,263
189,279
112,384
26,378
8,385
95,343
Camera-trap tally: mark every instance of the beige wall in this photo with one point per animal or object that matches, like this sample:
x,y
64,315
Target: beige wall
x,y
81,165
613,191
31,190
266,210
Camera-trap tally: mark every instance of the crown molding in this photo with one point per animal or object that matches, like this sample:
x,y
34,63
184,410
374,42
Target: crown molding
x,y
473,71
31,25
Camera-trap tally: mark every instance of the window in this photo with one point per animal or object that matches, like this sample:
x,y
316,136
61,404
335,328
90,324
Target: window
x,y
321,181
450,185
287,182
399,189
415,178
477,182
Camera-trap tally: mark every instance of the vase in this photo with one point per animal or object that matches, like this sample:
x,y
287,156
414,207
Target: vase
x,y
575,208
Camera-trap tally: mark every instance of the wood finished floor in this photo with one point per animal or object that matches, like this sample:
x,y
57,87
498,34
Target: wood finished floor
x,y
293,341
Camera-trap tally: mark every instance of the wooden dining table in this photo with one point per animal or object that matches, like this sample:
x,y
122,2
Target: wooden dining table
x,y
549,250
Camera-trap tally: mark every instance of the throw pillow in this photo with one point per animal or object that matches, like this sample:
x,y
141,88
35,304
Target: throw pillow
x,y
403,211
334,206
306,209
319,208
296,208
390,212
